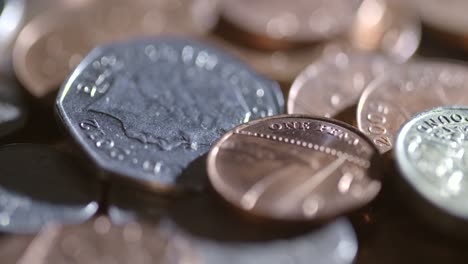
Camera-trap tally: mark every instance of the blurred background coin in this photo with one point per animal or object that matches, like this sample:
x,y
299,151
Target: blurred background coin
x,y
447,20
284,23
220,235
13,109
12,13
99,241
39,185
386,27
295,168
393,98
52,44
431,155
147,109
333,83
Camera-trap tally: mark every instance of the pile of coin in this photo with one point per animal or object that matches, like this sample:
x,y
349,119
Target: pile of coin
x,y
157,131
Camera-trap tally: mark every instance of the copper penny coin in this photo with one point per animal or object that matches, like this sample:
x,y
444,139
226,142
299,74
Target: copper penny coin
x,y
281,65
296,21
51,45
393,98
99,241
334,82
295,167
387,27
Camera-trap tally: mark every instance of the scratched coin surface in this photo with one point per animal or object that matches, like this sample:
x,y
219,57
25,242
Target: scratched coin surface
x,y
13,110
295,168
40,185
292,21
51,45
393,98
431,154
388,27
146,109
99,241
334,82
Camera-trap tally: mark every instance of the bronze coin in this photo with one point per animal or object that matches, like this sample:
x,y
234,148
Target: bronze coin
x,y
387,27
334,82
51,45
281,65
393,98
295,167
296,21
100,241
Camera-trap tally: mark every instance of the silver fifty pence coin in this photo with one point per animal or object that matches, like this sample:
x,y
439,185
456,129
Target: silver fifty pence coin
x,y
146,109
431,153
39,185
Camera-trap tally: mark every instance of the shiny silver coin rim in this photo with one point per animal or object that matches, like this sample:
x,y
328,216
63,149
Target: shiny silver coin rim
x,y
410,174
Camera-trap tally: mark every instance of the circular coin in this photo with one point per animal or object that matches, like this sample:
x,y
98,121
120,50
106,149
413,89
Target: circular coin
x,y
393,98
295,168
40,185
334,82
99,241
292,21
51,45
430,152
146,109
386,27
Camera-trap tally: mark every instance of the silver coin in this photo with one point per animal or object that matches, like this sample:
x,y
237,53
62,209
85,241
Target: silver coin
x,y
220,235
39,185
431,152
146,109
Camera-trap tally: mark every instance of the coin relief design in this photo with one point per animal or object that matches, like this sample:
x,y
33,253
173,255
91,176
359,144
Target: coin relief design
x,y
334,81
295,168
402,92
431,155
146,109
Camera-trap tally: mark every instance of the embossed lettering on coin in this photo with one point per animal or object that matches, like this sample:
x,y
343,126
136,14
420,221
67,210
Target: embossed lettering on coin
x,y
431,152
146,109
40,185
295,168
393,98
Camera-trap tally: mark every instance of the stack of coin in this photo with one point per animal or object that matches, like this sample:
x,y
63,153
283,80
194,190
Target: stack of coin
x,y
168,141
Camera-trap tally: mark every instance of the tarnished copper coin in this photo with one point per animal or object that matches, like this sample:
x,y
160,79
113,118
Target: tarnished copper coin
x,y
100,241
393,98
296,21
295,167
387,27
51,45
334,82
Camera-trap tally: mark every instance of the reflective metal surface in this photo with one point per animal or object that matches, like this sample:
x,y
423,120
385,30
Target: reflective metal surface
x,y
147,109
295,168
393,98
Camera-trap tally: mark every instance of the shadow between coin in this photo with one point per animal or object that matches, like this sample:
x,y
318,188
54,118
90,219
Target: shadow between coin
x,y
43,175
